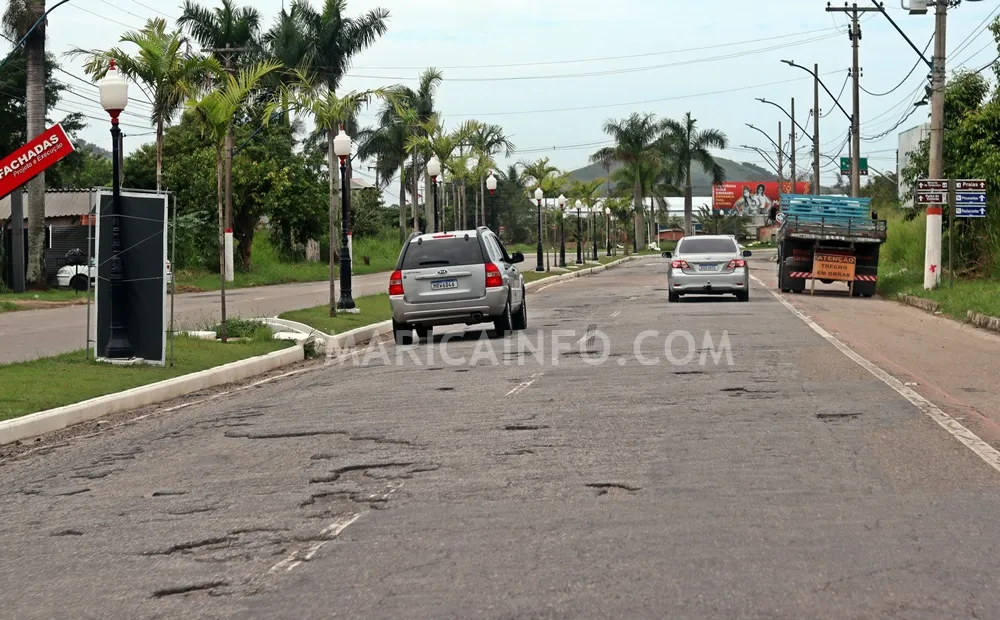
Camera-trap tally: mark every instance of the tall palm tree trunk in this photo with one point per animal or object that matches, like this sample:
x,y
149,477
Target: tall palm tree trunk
x,y
429,214
688,200
221,199
637,218
402,203
159,153
35,103
416,192
331,162
454,205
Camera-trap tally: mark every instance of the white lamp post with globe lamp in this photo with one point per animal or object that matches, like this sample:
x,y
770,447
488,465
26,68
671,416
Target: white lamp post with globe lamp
x,y
491,185
433,171
561,201
539,194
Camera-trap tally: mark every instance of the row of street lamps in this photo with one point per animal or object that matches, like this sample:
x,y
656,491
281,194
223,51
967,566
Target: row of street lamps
x,y
580,209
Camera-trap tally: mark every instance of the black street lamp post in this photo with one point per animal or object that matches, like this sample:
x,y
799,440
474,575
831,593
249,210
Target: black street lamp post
x,y
114,96
607,228
562,230
593,228
579,233
342,148
538,196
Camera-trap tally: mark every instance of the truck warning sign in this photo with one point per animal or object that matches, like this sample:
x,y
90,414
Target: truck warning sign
x,y
834,267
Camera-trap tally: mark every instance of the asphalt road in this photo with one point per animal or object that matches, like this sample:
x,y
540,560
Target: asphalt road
x,y
38,333
790,483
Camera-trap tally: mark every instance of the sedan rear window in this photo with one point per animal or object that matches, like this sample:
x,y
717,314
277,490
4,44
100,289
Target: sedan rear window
x,y
443,253
707,246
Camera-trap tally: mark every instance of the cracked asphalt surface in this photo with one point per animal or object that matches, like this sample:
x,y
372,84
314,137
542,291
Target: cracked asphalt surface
x,y
791,483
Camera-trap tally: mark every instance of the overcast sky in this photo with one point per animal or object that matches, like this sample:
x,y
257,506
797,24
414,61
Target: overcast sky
x,y
541,68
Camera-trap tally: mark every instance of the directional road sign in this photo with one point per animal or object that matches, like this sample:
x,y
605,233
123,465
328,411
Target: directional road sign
x,y
929,197
970,185
970,198
932,184
970,211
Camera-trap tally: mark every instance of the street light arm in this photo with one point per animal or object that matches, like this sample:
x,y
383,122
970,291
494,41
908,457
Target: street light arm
x,y
791,63
30,30
881,7
803,129
766,156
765,135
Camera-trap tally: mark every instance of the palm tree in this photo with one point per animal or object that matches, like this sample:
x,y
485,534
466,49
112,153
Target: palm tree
x,y
488,141
690,145
329,113
17,20
635,143
225,26
587,192
541,173
165,74
333,40
216,110
286,43
420,105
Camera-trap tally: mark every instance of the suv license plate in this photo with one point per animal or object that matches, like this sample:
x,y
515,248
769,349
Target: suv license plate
x,y
437,285
706,267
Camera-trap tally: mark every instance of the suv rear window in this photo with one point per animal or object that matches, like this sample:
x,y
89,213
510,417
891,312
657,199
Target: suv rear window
x,y
443,253
707,246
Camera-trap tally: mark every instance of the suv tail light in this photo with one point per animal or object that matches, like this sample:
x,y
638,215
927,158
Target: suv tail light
x,y
680,264
493,277
736,262
396,283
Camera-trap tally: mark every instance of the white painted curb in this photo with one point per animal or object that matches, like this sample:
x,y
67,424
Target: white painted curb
x,y
339,343
52,420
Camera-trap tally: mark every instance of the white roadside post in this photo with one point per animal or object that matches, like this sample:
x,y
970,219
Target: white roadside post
x,y
230,275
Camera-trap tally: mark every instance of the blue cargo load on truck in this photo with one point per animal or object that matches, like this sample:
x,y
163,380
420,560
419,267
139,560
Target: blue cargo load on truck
x,y
819,231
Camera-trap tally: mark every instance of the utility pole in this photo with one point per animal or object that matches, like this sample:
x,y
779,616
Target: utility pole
x,y
932,243
793,145
855,36
227,55
781,165
816,185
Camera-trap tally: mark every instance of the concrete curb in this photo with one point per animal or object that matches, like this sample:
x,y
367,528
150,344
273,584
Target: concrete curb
x,y
583,272
984,321
338,343
920,302
43,422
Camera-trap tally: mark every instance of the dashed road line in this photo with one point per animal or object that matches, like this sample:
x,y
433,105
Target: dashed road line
x,y
615,314
520,387
983,450
329,533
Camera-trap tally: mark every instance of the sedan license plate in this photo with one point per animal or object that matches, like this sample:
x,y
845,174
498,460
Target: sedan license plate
x,y
706,267
437,285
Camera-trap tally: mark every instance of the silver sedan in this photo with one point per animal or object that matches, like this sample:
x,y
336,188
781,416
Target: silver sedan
x,y
708,265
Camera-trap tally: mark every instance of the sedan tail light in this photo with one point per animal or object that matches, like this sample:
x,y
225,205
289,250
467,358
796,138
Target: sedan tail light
x,y
736,262
396,283
493,277
680,264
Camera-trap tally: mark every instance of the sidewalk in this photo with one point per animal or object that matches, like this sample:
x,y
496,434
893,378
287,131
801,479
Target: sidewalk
x,y
947,362
39,333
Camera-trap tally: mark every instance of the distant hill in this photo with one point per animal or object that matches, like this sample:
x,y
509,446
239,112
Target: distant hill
x,y
83,145
701,183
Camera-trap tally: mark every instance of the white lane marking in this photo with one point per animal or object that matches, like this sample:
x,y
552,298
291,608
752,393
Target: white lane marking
x,y
983,450
615,313
330,532
259,298
524,384
633,298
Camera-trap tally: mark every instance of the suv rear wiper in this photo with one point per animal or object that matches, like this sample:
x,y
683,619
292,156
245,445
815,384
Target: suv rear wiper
x,y
434,262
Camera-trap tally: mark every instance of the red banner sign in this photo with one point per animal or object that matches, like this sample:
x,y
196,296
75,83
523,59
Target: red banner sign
x,y
753,197
33,158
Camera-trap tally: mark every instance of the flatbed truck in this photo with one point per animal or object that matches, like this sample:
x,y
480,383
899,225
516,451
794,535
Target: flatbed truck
x,y
829,238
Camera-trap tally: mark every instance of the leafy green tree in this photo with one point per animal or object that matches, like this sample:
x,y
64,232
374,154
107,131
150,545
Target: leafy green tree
x,y
719,223
19,21
685,145
164,73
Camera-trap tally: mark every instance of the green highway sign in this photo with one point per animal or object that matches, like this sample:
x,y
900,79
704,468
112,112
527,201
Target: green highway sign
x,y
845,166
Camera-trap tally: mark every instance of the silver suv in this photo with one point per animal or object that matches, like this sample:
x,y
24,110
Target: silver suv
x,y
452,278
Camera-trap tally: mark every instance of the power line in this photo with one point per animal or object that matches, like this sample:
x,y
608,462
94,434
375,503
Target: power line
x,y
847,76
146,6
104,17
903,81
975,34
118,8
609,71
885,133
636,103
583,60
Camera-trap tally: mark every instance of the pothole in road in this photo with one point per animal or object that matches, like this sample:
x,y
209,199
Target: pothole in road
x,y
845,415
188,589
613,488
524,427
445,389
